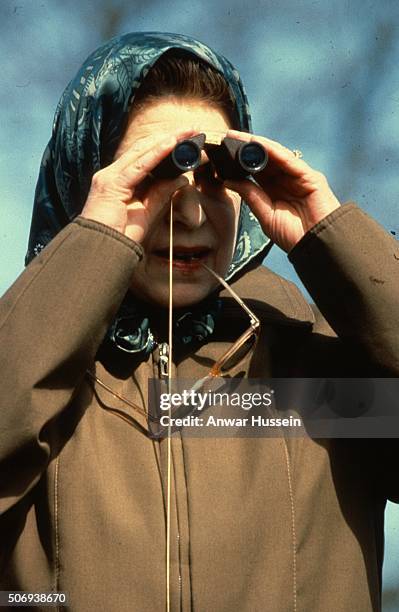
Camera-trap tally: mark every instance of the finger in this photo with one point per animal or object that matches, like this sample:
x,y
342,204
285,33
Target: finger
x,y
141,145
145,211
160,188
257,199
149,151
288,187
274,188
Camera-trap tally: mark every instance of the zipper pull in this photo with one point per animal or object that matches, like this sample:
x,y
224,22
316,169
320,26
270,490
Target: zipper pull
x,y
164,360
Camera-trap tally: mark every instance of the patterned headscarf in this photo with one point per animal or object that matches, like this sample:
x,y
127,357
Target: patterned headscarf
x,y
89,123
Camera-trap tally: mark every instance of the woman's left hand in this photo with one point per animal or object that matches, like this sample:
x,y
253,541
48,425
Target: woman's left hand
x,y
289,197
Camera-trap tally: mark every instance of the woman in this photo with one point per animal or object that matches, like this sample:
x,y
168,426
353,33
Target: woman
x,y
88,497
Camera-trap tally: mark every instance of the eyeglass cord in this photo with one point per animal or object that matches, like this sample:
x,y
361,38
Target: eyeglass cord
x,y
169,439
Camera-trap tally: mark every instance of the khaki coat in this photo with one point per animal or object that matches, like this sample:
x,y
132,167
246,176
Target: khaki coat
x,y
258,524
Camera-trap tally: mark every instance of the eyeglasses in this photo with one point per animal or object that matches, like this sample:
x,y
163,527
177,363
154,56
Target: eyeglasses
x,y
241,349
245,344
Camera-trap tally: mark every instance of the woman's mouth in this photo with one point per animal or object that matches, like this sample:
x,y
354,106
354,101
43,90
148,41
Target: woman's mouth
x,y
184,258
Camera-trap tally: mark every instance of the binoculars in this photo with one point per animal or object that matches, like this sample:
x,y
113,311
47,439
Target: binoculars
x,y
230,158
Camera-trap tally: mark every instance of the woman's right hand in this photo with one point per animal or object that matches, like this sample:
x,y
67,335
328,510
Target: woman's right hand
x,y
116,194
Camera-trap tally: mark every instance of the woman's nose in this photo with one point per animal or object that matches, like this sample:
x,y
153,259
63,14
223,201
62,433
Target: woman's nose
x,y
187,206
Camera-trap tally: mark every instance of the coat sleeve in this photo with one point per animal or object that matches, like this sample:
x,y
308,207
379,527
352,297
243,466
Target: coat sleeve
x,y
52,321
350,266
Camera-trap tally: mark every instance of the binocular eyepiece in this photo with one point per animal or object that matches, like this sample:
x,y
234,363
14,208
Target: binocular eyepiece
x,y
231,158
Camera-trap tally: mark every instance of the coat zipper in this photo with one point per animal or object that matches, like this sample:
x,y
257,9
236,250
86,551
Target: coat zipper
x,y
163,363
163,366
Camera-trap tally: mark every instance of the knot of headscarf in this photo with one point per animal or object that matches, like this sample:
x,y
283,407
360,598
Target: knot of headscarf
x,y
90,120
131,330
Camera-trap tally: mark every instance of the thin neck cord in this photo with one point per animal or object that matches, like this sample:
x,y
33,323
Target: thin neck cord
x,y
169,440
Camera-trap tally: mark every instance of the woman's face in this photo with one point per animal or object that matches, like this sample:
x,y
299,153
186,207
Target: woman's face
x,y
205,214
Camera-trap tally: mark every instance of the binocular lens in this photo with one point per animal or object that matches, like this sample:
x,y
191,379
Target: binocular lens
x,y
230,158
187,155
253,157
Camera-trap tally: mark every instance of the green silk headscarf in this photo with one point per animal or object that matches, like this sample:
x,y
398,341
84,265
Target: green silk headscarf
x,y
89,122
